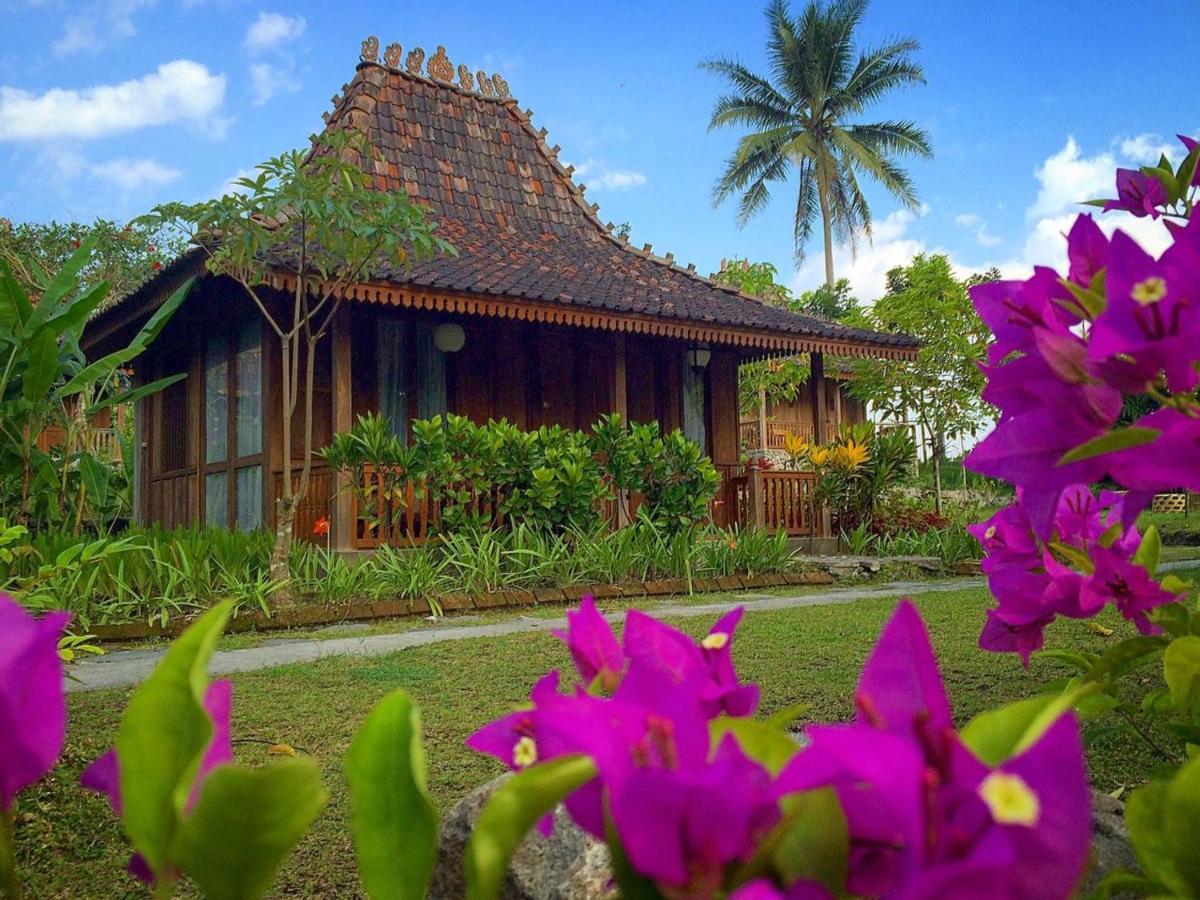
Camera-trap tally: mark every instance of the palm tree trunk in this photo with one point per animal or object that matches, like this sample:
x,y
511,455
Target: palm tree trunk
x,y
827,230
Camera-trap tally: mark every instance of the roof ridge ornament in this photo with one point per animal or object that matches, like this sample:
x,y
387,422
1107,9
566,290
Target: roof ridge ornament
x,y
370,49
439,67
465,81
414,61
485,84
391,56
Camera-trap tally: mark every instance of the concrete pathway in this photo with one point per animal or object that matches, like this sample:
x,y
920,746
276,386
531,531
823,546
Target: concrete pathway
x,y
124,668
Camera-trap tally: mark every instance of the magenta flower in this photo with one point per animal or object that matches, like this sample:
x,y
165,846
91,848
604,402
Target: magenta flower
x,y
1087,250
1138,193
1190,145
1151,323
683,828
104,774
761,889
33,708
926,818
1118,580
594,648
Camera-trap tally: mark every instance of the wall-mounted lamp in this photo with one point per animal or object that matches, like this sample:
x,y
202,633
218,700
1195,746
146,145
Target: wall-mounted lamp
x,y
449,338
698,357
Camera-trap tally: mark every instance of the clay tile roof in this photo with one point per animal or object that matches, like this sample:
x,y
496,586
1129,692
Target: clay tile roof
x,y
521,225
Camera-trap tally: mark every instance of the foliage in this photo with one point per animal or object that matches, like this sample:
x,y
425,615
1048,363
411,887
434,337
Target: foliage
x,y
835,303
800,120
1069,351
316,216
942,389
46,382
756,279
122,256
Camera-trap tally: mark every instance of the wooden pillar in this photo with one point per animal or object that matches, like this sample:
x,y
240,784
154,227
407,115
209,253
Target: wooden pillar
x,y
620,390
816,392
343,420
837,405
762,418
758,512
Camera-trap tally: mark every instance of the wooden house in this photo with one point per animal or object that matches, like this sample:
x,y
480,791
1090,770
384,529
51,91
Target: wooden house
x,y
766,427
543,316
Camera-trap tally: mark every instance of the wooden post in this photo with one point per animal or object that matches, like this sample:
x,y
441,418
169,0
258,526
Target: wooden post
x,y
620,404
762,418
837,405
758,512
343,420
816,392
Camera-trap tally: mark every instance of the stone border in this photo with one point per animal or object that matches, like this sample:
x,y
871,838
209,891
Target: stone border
x,y
333,614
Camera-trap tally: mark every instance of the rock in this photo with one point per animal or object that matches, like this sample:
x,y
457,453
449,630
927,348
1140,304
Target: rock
x,y
568,865
1110,840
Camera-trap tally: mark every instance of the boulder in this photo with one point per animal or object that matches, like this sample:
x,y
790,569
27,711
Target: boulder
x,y
1110,839
567,865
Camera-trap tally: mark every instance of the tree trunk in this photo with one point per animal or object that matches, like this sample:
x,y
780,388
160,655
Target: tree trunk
x,y
827,230
285,506
939,451
762,418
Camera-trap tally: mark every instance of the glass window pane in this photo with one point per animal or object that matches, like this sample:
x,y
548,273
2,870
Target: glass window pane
x,y
431,375
248,378
392,364
693,406
248,494
216,400
216,500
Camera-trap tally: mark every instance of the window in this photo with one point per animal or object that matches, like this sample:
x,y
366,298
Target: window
x,y
693,405
409,366
233,429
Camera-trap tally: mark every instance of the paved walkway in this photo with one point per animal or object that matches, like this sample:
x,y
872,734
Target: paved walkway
x,y
123,668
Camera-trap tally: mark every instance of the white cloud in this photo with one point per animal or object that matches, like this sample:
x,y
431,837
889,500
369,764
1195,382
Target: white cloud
x,y
94,25
268,79
270,30
231,186
131,175
975,223
178,91
600,177
1067,178
891,246
1146,149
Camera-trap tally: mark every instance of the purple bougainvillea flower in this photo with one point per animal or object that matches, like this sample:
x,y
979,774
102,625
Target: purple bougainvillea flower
x,y
1190,145
594,648
926,818
1118,580
723,692
1151,323
684,827
33,709
1138,193
761,889
1012,310
1087,250
104,776
1168,463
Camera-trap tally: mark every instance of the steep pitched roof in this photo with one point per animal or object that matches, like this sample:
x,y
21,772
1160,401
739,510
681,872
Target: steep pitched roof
x,y
523,230
520,223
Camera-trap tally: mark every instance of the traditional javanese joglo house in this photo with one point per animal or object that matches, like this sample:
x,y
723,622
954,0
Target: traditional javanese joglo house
x,y
544,316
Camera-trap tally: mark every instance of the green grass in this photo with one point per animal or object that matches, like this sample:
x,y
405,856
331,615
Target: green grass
x,y
70,846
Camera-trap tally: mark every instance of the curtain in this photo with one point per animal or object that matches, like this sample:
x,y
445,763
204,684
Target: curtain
x,y
431,375
392,364
693,405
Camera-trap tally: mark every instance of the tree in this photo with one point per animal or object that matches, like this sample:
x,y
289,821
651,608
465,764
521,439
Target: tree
x,y
799,120
122,256
756,279
836,303
941,389
313,218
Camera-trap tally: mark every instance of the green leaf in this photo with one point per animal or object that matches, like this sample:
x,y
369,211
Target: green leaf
x,y
812,842
162,736
42,367
1125,657
64,281
998,734
761,741
784,718
512,811
244,825
1144,816
95,475
1121,439
1181,670
136,394
393,821
1183,823
1148,551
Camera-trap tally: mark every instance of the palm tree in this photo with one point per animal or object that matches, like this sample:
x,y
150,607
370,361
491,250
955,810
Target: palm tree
x,y
799,120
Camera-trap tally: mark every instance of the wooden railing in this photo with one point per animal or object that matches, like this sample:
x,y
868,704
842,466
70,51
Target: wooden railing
x,y
748,434
102,442
782,501
405,513
316,504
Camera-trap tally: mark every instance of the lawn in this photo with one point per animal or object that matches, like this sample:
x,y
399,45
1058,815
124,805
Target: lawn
x,y
71,847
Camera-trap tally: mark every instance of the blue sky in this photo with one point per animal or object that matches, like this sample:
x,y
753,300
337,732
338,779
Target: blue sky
x,y
107,107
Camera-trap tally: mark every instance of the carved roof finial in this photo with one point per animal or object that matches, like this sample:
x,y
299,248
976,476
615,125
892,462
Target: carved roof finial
x,y
501,87
414,61
391,56
485,83
439,66
370,49
466,82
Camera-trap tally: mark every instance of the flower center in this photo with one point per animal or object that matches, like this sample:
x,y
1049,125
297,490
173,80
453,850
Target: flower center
x,y
1010,799
1150,291
525,752
715,641
990,533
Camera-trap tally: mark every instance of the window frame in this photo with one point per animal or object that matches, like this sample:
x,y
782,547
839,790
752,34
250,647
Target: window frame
x,y
232,463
